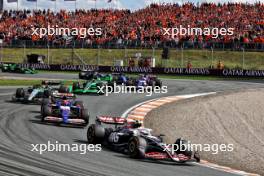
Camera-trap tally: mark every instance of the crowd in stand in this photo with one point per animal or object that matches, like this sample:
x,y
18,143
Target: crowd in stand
x,y
144,25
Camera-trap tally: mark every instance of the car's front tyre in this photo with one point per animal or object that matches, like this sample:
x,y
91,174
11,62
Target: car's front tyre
x,y
85,116
137,147
45,111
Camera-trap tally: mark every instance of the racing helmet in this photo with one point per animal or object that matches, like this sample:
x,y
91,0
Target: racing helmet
x,y
135,124
64,101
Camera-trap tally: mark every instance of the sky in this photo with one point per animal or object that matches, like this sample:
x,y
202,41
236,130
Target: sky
x,y
86,4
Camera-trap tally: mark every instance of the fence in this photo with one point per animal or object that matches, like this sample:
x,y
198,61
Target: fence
x,y
204,57
119,44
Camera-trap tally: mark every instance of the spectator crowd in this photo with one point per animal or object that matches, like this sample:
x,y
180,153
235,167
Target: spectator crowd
x,y
144,26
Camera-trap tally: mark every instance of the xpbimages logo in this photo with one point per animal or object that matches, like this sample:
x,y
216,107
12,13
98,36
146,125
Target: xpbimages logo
x,y
190,31
213,148
59,147
123,89
58,31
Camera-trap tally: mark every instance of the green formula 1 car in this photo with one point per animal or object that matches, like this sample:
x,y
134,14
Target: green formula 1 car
x,y
89,87
15,68
90,75
37,93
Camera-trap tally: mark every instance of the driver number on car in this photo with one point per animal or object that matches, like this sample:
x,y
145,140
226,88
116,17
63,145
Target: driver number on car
x,y
113,137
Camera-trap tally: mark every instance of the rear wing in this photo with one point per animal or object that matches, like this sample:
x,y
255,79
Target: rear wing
x,y
116,73
149,75
60,95
51,82
111,120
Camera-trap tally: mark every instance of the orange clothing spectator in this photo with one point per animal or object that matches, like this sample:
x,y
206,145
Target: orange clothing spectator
x,y
189,65
220,65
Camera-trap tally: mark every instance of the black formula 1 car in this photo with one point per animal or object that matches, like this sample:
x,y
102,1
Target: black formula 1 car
x,y
87,74
136,141
90,75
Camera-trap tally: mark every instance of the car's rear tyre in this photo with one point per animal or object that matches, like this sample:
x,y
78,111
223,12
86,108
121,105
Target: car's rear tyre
x,y
158,83
137,147
131,82
79,103
63,89
76,85
102,88
47,93
152,85
45,101
81,75
95,134
20,93
110,86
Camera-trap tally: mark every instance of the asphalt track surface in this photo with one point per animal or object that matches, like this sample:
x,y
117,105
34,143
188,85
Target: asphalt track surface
x,y
20,127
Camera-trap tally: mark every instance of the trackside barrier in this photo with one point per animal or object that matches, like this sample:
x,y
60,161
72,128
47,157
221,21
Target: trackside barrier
x,y
150,70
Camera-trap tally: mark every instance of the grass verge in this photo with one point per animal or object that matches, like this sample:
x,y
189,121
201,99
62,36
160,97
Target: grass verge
x,y
199,58
25,82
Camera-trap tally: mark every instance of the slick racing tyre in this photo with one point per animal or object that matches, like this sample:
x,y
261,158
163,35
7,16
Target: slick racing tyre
x,y
85,116
152,84
20,93
80,104
45,101
159,83
63,89
197,157
99,86
182,146
131,82
95,134
82,75
137,147
45,111
46,93
76,85
110,86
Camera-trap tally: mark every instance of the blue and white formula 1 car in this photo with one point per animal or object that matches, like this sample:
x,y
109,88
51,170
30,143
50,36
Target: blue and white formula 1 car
x,y
64,111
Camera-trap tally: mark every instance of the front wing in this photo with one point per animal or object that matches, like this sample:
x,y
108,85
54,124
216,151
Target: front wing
x,y
60,120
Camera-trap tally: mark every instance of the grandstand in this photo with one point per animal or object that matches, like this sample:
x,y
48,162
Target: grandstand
x,y
141,27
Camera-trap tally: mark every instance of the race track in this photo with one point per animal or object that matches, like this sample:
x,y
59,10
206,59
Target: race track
x,y
20,127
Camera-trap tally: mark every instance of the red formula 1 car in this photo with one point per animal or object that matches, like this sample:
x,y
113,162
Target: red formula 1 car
x,y
130,138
